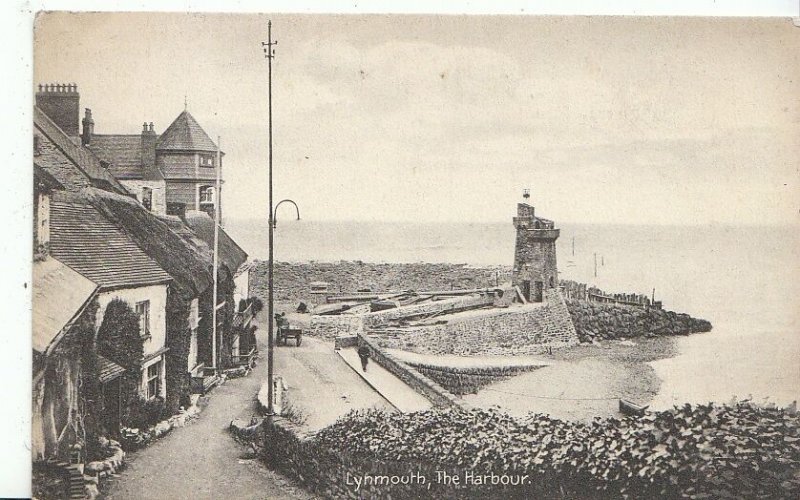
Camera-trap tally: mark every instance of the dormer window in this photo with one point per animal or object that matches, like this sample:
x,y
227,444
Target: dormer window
x,y
207,160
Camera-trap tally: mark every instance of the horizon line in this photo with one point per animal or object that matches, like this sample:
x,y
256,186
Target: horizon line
x,y
493,222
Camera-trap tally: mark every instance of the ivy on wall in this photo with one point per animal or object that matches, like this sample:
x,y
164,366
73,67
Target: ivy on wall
x,y
119,340
178,379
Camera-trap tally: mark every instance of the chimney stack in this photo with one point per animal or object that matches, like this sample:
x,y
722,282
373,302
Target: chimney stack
x,y
61,103
149,138
88,128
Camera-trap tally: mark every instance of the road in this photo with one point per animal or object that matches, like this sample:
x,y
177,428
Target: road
x,y
202,460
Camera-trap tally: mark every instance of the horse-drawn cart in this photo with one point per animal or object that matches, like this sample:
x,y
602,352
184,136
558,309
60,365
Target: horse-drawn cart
x,y
284,334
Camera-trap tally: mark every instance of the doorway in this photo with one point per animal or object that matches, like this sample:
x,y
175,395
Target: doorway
x,y
539,286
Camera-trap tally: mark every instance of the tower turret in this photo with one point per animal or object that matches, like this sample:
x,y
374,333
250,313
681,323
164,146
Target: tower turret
x,y
535,265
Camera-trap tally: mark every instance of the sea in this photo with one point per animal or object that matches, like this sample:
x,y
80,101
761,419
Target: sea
x,y
744,279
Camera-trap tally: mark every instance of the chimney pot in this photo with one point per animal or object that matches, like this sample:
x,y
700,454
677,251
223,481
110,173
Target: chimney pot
x,y
151,127
61,103
144,127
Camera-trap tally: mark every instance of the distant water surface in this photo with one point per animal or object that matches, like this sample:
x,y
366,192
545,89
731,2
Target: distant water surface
x,y
744,279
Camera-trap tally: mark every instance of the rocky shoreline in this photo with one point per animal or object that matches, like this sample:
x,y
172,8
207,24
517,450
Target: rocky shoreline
x,y
600,321
293,279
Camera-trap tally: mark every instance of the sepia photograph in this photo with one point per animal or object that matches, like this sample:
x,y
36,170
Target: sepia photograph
x,y
389,256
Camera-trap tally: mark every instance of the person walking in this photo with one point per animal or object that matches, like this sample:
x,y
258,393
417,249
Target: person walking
x,y
363,353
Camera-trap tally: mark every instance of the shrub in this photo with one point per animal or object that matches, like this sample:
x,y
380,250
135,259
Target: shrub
x,y
258,305
701,451
143,413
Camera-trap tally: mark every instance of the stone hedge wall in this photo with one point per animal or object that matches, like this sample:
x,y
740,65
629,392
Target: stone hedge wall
x,y
526,329
331,473
598,321
469,380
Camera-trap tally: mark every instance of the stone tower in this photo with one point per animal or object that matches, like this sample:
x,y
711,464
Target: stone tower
x,y
535,253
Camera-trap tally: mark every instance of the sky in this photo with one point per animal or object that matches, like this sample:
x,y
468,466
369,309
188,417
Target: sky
x,y
449,118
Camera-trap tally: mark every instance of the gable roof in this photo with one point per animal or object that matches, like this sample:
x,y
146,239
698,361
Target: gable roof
x,y
59,295
230,253
124,155
185,134
168,242
82,158
93,246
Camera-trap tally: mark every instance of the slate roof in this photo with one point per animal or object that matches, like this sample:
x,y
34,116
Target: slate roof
x,y
230,253
124,155
185,134
96,248
83,158
59,295
171,244
108,370
45,179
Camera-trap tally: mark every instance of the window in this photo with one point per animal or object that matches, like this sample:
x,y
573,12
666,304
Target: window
x,y
143,310
154,380
206,194
206,160
147,198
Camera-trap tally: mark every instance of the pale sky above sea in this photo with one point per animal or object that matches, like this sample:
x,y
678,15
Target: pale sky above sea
x,y
448,118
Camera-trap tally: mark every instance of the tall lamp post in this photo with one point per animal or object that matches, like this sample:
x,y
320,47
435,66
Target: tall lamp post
x,y
269,53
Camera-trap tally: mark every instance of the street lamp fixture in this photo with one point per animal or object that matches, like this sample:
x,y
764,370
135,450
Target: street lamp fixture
x,y
275,211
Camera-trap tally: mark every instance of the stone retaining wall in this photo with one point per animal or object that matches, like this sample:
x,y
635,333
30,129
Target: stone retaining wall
x,y
527,329
597,321
435,393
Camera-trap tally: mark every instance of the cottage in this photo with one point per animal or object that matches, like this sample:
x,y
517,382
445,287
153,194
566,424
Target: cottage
x,y
61,299
90,244
234,324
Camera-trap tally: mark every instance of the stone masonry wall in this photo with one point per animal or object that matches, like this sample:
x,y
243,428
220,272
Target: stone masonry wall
x,y
597,321
527,329
344,324
329,327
